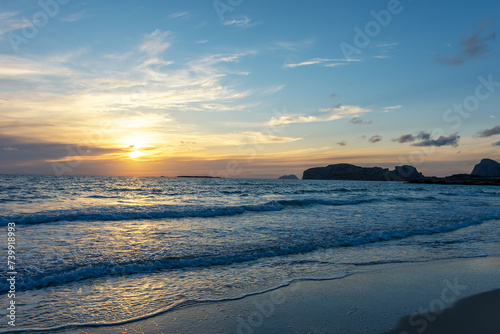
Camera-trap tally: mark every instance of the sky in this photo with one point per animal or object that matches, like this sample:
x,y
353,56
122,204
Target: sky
x,y
247,88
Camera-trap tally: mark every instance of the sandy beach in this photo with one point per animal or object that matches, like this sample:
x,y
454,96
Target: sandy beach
x,y
375,301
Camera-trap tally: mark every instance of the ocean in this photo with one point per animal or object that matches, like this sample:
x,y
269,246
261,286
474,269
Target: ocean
x,y
104,250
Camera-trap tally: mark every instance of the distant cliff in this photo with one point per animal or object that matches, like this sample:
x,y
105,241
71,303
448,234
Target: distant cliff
x,y
352,172
487,168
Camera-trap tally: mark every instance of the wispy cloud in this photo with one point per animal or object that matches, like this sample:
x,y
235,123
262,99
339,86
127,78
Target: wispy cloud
x,y
133,96
74,17
324,62
345,110
496,143
387,45
178,14
342,143
476,45
375,139
154,43
387,109
273,89
243,22
489,132
384,49
11,21
332,114
291,46
250,137
359,121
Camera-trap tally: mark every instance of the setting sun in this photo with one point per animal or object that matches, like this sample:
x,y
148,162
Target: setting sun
x,y
135,154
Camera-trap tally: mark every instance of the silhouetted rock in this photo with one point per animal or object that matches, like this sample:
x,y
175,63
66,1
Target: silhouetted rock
x,y
351,172
289,177
462,179
487,168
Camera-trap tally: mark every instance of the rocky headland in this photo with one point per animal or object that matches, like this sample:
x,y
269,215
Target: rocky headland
x,y
487,172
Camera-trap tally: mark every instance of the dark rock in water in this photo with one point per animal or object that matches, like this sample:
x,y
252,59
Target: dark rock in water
x,y
351,172
462,179
487,168
288,177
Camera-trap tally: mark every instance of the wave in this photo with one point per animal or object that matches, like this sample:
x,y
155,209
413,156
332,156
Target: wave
x,y
73,272
130,212
175,306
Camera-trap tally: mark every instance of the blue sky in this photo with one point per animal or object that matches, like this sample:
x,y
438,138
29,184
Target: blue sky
x,y
242,88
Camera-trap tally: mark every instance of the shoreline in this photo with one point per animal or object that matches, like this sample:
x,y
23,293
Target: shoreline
x,y
373,301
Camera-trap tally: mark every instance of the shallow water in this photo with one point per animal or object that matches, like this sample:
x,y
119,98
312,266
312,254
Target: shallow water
x,y
109,249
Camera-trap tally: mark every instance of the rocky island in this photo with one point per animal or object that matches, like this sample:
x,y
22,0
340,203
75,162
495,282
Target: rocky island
x,y
357,173
487,172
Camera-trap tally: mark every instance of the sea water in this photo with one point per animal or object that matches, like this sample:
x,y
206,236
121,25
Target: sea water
x,y
93,250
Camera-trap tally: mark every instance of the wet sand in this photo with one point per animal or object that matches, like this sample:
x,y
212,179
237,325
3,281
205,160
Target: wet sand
x,y
376,301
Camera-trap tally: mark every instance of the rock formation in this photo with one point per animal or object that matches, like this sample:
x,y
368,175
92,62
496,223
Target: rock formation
x,y
351,172
487,168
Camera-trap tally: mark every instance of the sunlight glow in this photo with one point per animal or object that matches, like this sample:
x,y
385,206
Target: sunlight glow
x,y
135,154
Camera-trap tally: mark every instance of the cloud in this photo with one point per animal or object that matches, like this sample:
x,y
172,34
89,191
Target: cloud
x,y
423,135
332,95
359,121
122,93
451,140
385,49
375,139
243,22
324,62
10,21
17,150
178,14
74,17
346,110
496,143
291,46
342,143
154,44
474,46
254,137
23,67
387,109
273,89
332,114
387,45
489,132
405,139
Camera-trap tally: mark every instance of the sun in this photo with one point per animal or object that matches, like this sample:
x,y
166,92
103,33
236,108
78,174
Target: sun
x,y
136,154
135,144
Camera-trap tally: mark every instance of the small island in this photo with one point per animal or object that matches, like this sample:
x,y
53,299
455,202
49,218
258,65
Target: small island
x,y
288,177
200,176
